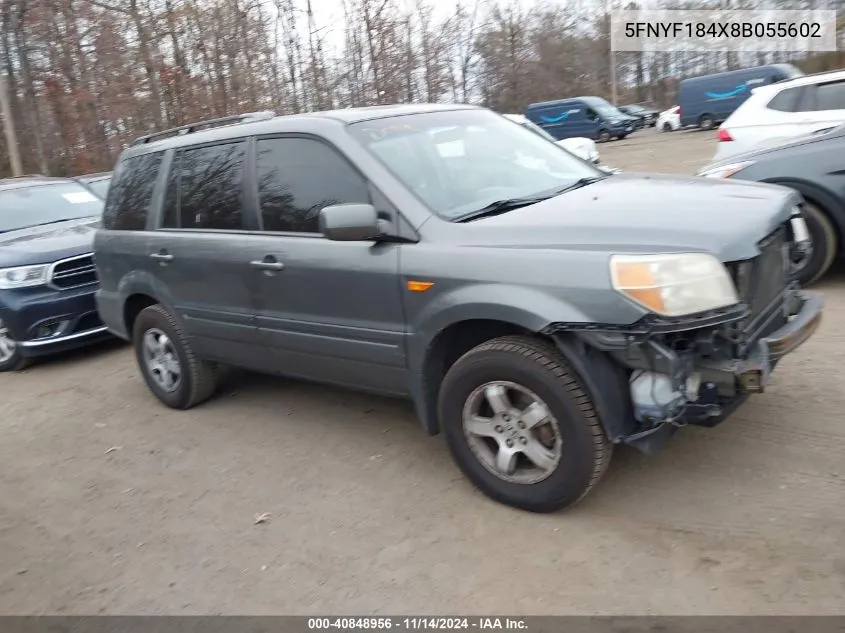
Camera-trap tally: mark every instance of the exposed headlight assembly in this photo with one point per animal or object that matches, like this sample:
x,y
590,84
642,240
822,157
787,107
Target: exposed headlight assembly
x,y
724,171
23,276
674,284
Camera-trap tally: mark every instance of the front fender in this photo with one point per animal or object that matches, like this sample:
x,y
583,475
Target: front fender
x,y
526,307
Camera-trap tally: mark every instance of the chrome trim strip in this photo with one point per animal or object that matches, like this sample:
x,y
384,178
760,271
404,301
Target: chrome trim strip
x,y
62,339
52,268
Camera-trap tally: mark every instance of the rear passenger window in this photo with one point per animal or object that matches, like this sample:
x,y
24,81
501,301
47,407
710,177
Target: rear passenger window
x,y
209,190
785,101
129,197
831,96
297,177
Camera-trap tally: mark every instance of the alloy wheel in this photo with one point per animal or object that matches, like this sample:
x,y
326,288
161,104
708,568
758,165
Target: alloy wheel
x,y
161,360
8,346
512,432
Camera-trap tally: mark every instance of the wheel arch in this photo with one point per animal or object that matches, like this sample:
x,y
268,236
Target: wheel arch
x,y
449,334
140,290
822,198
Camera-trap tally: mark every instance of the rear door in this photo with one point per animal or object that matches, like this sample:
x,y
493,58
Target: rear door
x,y
327,311
201,252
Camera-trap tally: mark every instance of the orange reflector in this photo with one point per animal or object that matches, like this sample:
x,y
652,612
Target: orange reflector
x,y
419,286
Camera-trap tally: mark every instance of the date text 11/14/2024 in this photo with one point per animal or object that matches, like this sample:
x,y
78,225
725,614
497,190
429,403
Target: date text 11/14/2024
x,y
417,623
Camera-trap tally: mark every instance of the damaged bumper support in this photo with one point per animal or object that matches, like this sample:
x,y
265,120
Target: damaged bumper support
x,y
701,375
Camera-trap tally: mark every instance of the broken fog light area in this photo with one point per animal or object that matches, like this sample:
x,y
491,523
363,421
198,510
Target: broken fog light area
x,y
656,400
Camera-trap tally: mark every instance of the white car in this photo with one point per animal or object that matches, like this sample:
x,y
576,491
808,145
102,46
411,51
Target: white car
x,y
669,120
580,146
779,112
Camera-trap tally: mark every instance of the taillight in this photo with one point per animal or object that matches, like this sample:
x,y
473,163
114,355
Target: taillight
x,y
724,136
680,110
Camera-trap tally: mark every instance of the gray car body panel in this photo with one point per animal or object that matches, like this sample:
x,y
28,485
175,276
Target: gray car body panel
x,y
340,312
812,165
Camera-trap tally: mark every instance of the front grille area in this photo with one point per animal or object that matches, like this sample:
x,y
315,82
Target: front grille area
x,y
760,281
73,272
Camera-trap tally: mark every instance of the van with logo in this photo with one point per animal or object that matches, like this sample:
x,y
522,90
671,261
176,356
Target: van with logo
x,y
708,100
591,117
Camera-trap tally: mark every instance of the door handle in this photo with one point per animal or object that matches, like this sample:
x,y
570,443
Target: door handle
x,y
266,265
162,257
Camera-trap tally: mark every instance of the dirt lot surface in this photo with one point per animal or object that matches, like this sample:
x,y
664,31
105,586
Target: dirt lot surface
x,y
112,503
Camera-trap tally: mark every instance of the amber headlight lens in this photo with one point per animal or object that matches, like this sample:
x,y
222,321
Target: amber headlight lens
x,y
673,284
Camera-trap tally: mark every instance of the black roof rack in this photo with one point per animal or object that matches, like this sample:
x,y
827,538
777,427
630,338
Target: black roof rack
x,y
247,117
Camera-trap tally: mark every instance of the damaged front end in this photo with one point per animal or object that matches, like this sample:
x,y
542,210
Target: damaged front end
x,y
699,369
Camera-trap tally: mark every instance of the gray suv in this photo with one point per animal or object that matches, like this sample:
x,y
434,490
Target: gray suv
x,y
535,309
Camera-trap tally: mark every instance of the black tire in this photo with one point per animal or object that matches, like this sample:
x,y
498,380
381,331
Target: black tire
x,y
706,122
198,378
604,136
825,244
667,127
541,368
621,137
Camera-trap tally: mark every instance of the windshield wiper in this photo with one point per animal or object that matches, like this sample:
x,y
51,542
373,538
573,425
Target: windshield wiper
x,y
509,204
581,182
500,206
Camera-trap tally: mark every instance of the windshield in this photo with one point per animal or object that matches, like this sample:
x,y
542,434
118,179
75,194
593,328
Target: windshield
x,y
100,187
605,109
460,161
46,203
538,130
634,108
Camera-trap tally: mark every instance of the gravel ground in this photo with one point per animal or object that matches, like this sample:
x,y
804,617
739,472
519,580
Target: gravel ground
x,y
114,504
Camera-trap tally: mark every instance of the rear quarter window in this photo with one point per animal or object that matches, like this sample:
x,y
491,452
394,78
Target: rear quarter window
x,y
785,100
131,192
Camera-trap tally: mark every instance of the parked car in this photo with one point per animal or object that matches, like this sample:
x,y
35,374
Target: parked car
x,y
783,111
590,117
47,276
97,183
812,165
708,100
580,146
669,120
646,117
537,316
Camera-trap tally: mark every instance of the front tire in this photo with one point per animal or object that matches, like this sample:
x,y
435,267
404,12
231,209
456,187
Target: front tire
x,y
171,369
520,426
604,136
825,243
10,352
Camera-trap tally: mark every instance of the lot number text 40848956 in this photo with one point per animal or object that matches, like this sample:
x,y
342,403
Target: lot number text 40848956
x,y
417,623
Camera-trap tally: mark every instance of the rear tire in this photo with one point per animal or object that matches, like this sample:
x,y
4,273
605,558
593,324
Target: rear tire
x,y
667,127
825,244
197,379
538,369
706,122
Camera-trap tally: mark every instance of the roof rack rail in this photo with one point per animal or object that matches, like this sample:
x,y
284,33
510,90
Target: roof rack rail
x,y
247,117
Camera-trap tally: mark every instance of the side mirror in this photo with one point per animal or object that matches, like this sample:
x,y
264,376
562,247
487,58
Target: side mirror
x,y
349,222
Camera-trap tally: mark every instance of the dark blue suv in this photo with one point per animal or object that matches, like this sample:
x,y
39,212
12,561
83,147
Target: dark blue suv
x,y
47,274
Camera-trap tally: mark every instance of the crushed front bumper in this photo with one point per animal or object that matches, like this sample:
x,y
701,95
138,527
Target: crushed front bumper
x,y
753,373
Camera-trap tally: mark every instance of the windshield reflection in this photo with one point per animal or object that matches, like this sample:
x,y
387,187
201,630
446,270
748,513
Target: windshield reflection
x,y
463,160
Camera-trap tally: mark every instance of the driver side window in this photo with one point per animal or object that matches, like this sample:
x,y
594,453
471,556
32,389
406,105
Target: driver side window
x,y
591,114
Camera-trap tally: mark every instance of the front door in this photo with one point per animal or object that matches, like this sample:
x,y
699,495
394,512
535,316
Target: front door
x,y
200,254
327,311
